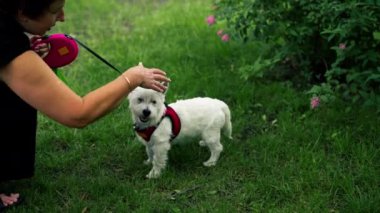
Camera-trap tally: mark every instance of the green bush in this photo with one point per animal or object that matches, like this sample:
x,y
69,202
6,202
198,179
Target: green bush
x,y
330,44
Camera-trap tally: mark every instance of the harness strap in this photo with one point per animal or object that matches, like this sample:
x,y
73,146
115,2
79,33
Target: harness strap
x,y
176,125
176,122
146,133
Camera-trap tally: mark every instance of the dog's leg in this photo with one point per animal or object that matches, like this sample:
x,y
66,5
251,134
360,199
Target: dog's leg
x,y
149,152
160,157
212,140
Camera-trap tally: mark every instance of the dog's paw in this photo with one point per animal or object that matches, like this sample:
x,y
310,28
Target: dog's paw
x,y
153,174
147,162
209,163
202,143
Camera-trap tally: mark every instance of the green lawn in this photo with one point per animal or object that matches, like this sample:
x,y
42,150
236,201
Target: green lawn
x,y
285,157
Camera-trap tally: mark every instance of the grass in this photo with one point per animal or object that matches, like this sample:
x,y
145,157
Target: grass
x,y
285,157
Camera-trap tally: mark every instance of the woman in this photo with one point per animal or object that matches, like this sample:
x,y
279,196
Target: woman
x,y
28,85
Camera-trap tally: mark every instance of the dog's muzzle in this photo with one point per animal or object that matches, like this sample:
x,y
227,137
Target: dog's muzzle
x,y
145,115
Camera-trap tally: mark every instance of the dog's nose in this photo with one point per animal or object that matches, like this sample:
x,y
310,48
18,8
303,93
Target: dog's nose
x,y
146,112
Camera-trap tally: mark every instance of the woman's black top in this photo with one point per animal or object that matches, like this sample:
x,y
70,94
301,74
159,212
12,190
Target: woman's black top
x,y
18,120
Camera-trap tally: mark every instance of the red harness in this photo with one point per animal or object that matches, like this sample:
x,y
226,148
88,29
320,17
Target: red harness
x,y
176,125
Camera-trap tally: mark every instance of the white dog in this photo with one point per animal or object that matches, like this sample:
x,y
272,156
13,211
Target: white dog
x,y
159,125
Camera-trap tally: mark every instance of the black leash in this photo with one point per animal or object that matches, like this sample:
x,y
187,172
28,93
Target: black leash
x,y
95,54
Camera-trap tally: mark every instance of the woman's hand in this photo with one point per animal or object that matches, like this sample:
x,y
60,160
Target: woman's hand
x,y
41,48
150,78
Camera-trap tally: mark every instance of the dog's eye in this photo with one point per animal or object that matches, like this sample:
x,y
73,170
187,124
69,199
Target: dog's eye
x,y
154,102
139,100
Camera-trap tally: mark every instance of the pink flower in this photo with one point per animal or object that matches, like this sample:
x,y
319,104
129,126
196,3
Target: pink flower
x,y
219,33
342,46
314,102
225,37
210,20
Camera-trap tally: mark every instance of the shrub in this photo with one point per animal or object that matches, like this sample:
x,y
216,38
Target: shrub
x,y
331,44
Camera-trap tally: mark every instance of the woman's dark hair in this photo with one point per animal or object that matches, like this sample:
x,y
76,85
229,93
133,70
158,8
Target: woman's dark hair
x,y
30,8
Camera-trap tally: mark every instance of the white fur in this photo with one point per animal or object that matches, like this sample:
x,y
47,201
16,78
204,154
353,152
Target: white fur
x,y
201,119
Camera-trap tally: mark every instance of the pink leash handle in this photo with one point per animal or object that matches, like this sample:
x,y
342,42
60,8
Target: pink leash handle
x,y
63,50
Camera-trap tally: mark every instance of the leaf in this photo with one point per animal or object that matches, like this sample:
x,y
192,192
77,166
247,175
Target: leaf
x,y
375,77
214,192
376,35
176,210
84,210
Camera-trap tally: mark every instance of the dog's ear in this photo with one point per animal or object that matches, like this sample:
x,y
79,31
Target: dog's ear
x,y
132,93
129,96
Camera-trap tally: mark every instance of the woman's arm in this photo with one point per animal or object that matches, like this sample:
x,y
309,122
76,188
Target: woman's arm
x,y
32,80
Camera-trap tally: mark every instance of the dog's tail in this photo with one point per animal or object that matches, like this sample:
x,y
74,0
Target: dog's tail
x,y
227,128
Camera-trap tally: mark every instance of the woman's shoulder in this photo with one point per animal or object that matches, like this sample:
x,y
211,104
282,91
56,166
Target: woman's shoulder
x,y
13,41
10,29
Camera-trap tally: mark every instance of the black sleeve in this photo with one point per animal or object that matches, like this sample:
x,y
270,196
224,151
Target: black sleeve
x,y
13,41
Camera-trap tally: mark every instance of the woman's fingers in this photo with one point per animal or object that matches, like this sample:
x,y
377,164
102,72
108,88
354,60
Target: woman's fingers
x,y
159,75
151,78
9,199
